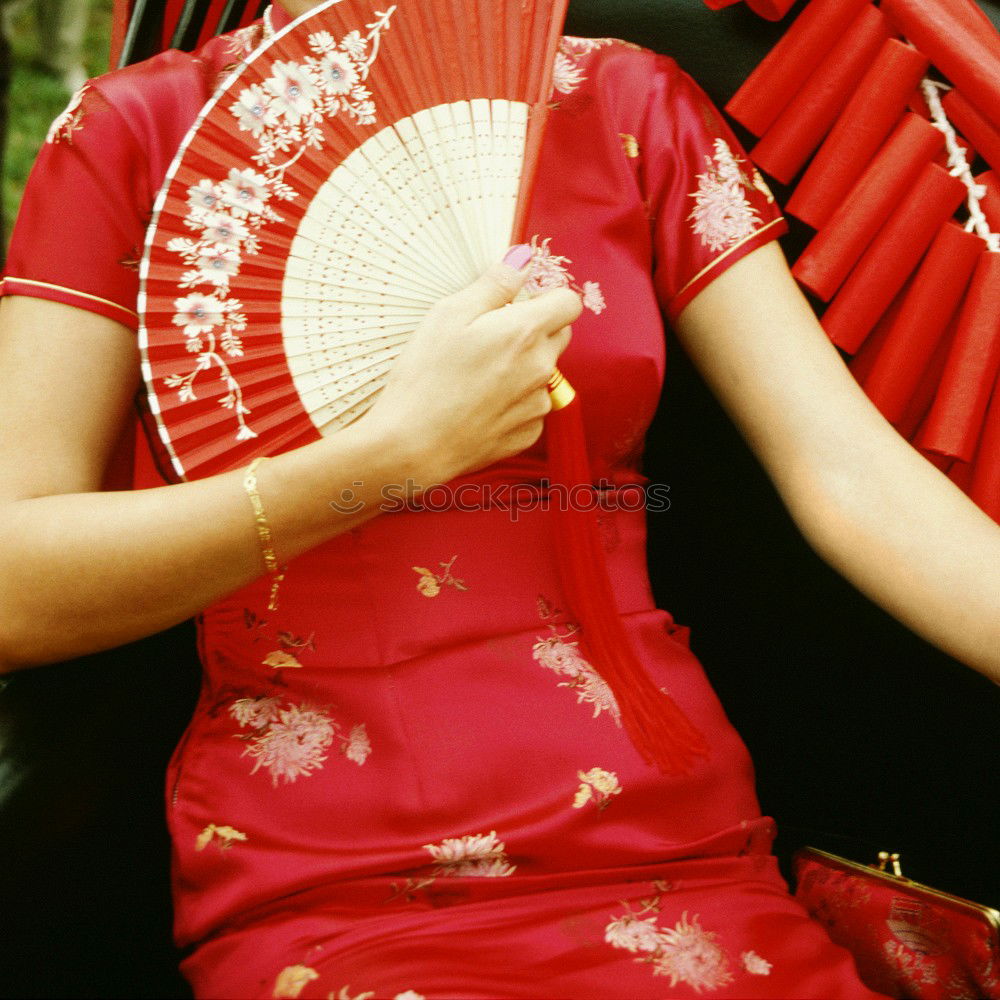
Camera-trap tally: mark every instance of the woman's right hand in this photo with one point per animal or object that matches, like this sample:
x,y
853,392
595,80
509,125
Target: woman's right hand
x,y
469,388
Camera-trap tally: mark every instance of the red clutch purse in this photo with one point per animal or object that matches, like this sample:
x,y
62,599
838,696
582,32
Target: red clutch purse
x,y
908,940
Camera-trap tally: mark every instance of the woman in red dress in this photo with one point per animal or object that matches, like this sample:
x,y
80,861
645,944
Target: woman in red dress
x,y
409,780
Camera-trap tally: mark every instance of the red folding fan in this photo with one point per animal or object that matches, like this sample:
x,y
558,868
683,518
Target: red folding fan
x,y
361,164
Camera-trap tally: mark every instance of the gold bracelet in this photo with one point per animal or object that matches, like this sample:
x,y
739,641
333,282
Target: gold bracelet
x,y
263,531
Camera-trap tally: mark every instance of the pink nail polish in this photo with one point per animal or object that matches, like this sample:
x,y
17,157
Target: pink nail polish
x,y
519,257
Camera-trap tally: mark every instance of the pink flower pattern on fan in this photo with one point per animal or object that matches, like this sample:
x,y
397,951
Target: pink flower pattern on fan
x,y
283,113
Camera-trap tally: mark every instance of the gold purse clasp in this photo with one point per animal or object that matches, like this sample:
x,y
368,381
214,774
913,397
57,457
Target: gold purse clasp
x,y
885,858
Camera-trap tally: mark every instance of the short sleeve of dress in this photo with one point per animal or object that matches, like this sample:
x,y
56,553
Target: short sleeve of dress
x,y
80,227
710,206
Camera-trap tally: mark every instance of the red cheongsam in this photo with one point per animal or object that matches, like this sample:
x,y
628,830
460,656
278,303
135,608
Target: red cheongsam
x,y
409,781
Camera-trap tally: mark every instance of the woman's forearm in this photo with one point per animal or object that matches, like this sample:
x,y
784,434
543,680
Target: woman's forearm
x,y
910,540
870,504
84,572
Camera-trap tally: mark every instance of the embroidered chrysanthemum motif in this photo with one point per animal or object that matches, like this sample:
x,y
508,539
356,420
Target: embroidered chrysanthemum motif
x,y
242,42
689,954
633,933
71,120
722,216
564,658
256,713
548,270
593,297
755,965
567,75
479,855
686,952
345,993
291,742
292,981
568,72
597,786
293,745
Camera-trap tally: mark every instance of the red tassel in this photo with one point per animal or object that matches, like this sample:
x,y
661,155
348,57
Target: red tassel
x,y
659,730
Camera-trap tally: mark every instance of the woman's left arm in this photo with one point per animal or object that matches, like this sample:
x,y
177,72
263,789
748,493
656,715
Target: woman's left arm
x,y
866,501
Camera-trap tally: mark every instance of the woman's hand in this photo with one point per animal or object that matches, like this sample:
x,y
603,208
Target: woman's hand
x,y
82,570
469,389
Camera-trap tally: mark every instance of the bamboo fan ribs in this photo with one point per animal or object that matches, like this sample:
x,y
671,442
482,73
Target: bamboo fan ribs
x,y
361,164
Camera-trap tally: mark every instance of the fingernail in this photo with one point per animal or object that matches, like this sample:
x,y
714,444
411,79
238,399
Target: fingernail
x,y
519,257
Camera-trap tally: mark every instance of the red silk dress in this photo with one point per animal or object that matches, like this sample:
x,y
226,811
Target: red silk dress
x,y
409,781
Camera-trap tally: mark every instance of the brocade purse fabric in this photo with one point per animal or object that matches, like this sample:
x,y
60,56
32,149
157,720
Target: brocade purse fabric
x,y
908,940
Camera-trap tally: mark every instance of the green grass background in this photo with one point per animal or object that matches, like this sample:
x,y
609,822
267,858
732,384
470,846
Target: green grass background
x,y
36,97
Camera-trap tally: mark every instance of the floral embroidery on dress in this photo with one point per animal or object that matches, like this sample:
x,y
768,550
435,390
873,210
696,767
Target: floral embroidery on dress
x,y
71,120
755,965
597,786
548,270
430,583
477,855
243,41
630,145
281,658
357,747
686,952
722,215
291,741
409,890
344,993
292,981
283,113
568,75
222,836
560,653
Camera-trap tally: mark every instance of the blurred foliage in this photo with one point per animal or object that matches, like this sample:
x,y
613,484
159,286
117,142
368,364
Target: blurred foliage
x,y
36,96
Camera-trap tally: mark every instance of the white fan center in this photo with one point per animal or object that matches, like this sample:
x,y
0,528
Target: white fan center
x,y
415,213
